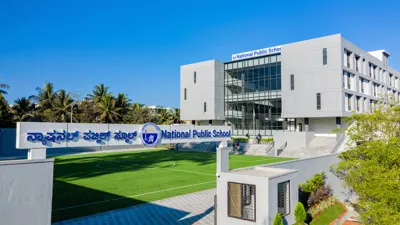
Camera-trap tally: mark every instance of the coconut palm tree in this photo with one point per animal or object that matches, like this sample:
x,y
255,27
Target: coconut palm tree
x,y
137,106
61,105
122,101
45,95
164,117
23,110
98,93
176,116
109,112
4,86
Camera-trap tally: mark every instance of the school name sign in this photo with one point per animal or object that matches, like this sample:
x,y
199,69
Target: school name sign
x,y
31,135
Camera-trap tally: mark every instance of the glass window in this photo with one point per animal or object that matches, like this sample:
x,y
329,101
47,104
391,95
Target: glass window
x,y
324,56
194,76
205,107
292,82
284,198
318,101
184,94
241,201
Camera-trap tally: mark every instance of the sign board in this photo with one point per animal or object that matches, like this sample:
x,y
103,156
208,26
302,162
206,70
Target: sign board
x,y
61,135
257,53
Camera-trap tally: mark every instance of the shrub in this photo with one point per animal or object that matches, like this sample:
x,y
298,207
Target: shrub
x,y
267,140
314,183
319,195
278,219
300,213
242,140
322,206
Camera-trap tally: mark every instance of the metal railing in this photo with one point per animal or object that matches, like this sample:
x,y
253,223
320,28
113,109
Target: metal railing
x,y
281,148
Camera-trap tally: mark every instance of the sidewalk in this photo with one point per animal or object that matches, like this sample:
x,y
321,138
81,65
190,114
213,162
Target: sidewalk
x,y
194,208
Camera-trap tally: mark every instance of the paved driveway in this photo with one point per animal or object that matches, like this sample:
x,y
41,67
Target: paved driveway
x,y
195,208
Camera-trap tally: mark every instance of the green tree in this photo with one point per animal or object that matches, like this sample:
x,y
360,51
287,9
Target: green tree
x,y
139,116
300,213
137,105
45,96
3,86
371,165
108,112
5,114
176,116
99,92
313,183
164,117
23,110
122,102
278,220
87,112
61,106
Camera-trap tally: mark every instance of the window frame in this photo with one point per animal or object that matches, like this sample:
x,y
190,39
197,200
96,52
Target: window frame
x,y
292,82
324,56
184,94
319,106
289,206
242,201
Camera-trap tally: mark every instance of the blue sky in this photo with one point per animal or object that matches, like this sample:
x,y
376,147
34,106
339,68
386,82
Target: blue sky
x,y
137,47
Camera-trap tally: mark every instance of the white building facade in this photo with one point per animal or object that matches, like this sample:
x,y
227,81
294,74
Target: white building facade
x,y
309,85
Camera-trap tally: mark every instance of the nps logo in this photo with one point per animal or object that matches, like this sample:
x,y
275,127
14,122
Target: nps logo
x,y
151,134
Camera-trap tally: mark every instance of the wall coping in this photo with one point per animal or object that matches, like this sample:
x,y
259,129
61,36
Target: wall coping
x,y
25,161
289,161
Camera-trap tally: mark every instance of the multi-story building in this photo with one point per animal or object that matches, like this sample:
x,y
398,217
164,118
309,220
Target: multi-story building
x,y
308,85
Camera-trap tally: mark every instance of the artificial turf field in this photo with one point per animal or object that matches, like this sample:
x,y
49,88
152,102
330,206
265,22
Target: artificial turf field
x,y
86,184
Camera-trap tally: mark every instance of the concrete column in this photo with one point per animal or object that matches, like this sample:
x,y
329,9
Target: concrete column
x,y
222,160
36,153
306,124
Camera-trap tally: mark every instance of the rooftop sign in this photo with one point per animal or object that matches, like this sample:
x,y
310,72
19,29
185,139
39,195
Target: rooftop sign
x,y
62,135
256,53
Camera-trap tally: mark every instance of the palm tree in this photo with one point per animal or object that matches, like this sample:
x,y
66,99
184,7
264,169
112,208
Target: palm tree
x,y
164,117
176,116
62,105
137,106
4,86
98,93
23,110
45,95
109,113
122,101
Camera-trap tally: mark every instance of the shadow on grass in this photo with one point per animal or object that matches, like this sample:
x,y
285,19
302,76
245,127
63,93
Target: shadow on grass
x,y
95,201
86,166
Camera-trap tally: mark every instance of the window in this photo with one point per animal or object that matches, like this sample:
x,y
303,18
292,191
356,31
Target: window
x,y
362,84
292,82
284,198
349,102
194,76
318,101
324,56
205,107
241,201
357,63
184,94
348,54
349,81
358,104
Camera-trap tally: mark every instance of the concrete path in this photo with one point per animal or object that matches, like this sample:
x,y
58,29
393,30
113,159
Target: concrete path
x,y
195,208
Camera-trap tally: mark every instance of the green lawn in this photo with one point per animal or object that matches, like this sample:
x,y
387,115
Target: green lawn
x,y
93,183
328,215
